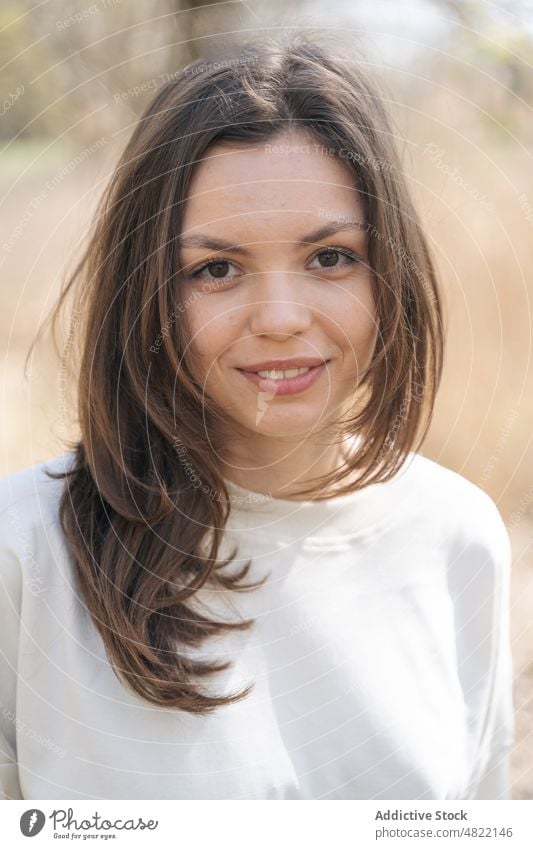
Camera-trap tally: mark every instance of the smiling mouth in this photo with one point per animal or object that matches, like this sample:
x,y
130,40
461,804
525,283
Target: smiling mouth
x,y
280,374
285,381
284,368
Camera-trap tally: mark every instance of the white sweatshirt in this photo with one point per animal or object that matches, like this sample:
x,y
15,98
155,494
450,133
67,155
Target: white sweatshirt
x,y
380,654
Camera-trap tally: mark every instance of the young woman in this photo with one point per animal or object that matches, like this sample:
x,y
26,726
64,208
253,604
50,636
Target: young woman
x,y
243,581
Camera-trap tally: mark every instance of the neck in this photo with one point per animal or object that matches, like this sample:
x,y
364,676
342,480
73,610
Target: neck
x,y
280,467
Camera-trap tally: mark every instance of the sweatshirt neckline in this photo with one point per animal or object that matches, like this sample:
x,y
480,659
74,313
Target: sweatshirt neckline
x,y
334,518
244,498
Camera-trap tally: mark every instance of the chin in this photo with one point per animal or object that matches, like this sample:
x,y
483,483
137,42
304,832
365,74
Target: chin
x,y
294,423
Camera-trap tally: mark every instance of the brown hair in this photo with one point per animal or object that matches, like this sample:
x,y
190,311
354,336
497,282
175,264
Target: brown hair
x,y
144,539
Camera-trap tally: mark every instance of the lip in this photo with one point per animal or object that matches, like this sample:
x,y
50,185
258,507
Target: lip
x,y
295,362
286,386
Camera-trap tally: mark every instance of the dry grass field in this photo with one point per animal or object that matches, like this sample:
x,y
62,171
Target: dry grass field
x,y
482,232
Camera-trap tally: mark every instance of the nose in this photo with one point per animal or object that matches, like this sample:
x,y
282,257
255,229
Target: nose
x,y
279,308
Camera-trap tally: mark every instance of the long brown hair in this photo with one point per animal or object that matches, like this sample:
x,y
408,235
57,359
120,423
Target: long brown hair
x,y
143,536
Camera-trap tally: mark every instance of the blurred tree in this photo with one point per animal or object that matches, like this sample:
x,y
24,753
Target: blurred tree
x,y
72,63
66,64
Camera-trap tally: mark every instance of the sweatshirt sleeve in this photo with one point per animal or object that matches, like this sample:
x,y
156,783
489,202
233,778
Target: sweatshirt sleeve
x,y
495,781
494,777
481,586
10,609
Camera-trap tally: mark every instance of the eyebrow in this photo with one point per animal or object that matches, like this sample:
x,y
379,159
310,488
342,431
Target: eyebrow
x,y
203,240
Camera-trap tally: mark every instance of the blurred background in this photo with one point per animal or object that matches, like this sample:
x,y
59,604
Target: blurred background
x,y
76,76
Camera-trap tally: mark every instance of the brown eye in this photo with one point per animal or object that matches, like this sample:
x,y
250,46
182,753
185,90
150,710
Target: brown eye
x,y
216,269
328,258
219,268
336,258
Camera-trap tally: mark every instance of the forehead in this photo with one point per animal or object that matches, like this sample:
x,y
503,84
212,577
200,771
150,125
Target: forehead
x,y
278,179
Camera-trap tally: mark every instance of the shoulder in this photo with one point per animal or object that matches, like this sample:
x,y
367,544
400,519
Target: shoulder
x,y
476,549
34,561
32,494
29,518
460,513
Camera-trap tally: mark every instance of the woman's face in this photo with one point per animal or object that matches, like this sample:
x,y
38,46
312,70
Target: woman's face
x,y
282,227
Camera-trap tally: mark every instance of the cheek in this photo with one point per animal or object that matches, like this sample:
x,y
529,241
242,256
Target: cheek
x,y
196,331
355,318
366,328
212,332
202,329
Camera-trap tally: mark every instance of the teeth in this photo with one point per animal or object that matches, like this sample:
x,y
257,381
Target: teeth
x,y
278,374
